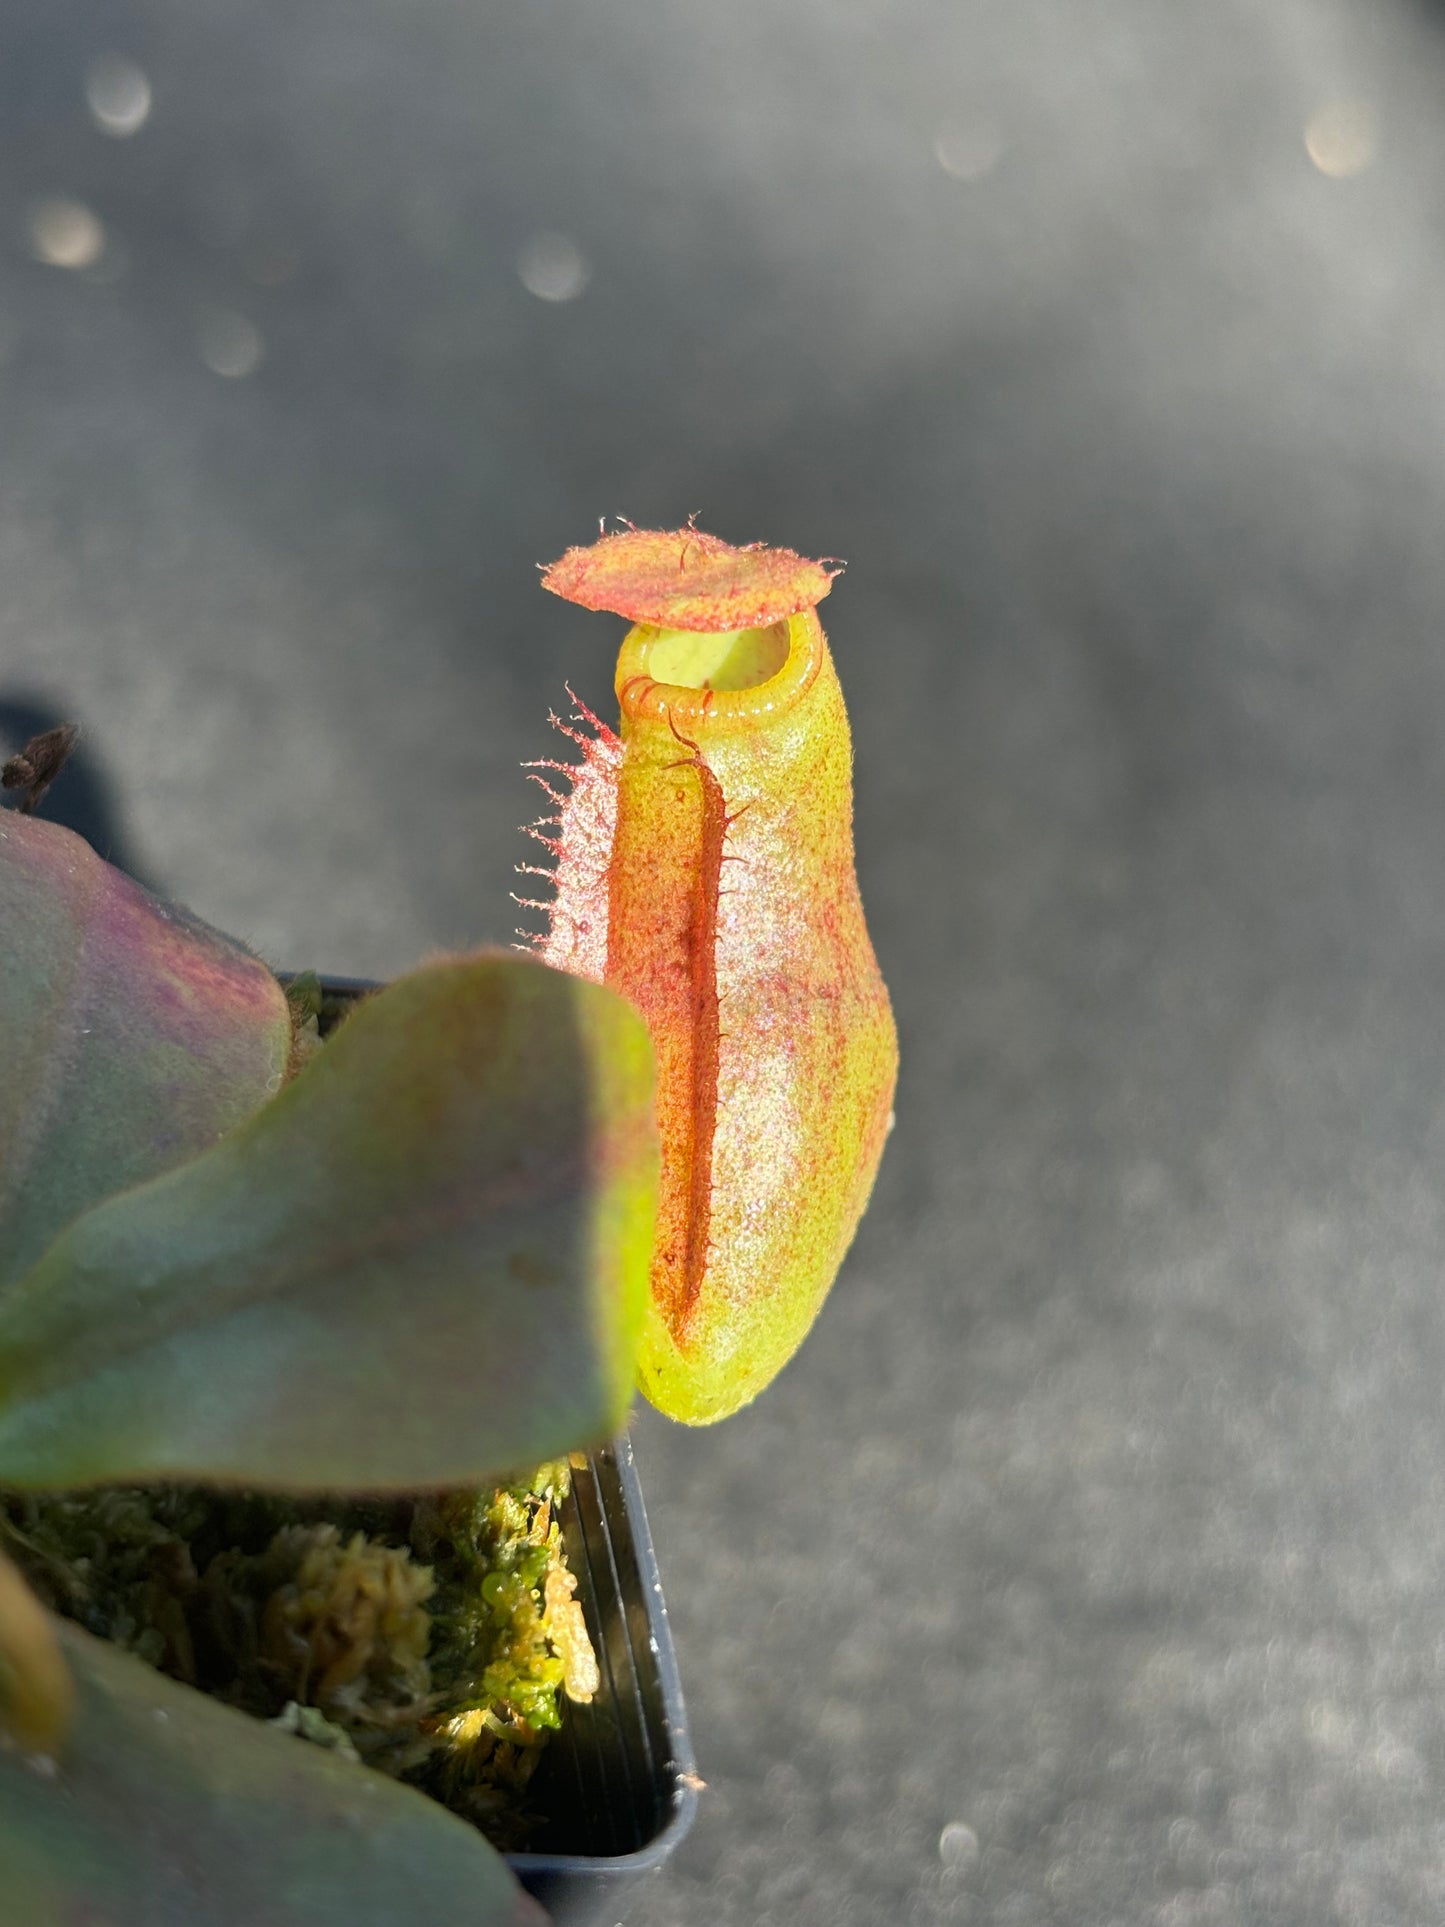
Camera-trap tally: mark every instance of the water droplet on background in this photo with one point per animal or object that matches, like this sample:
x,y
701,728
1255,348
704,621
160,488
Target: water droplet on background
x,y
65,233
553,268
1340,138
968,153
958,1847
229,344
118,95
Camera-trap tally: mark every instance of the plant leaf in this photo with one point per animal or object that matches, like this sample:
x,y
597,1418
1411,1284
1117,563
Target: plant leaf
x,y
170,1810
37,1698
131,1035
423,1264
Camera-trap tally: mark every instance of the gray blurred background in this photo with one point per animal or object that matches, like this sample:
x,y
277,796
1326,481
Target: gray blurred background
x,y
1086,1566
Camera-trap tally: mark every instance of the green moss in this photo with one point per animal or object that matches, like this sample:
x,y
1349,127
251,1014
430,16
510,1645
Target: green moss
x,y
435,1639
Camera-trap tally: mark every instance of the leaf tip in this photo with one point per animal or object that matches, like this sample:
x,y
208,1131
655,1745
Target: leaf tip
x,y
37,1694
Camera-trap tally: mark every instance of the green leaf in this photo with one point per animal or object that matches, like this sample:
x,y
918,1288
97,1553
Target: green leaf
x,y
169,1810
423,1264
131,1036
37,1699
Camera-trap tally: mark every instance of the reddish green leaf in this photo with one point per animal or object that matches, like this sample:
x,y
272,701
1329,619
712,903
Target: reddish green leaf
x,y
423,1264
131,1036
169,1810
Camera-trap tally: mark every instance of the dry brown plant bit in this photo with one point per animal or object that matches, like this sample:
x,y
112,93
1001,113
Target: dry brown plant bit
x,y
38,764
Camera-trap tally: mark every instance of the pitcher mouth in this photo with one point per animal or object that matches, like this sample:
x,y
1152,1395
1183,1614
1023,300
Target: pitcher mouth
x,y
721,678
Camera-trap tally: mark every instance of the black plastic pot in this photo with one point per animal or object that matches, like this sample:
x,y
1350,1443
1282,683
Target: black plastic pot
x,y
617,1784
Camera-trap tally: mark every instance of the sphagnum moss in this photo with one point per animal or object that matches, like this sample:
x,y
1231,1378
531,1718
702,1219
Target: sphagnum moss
x,y
434,1639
